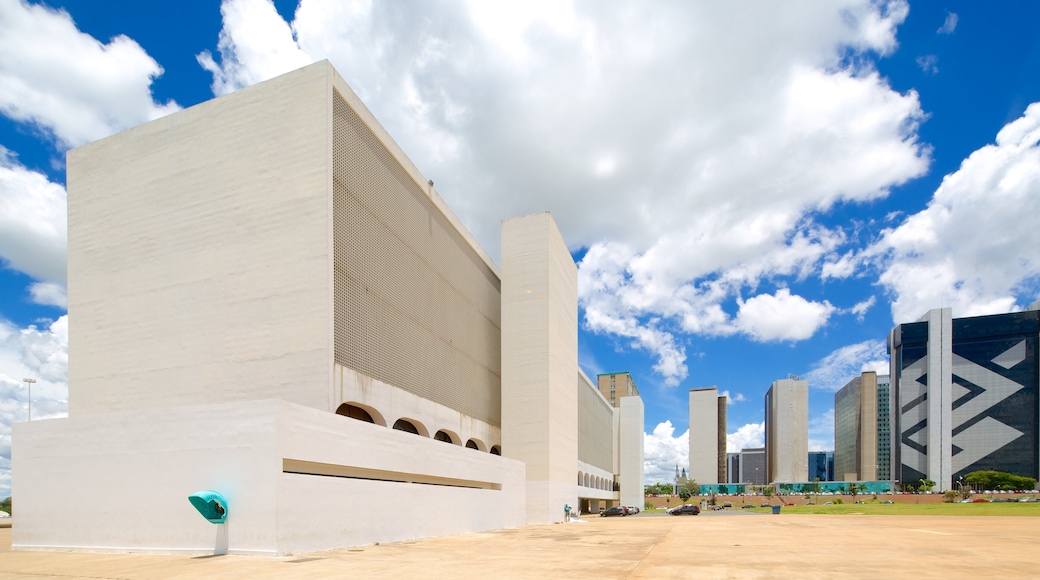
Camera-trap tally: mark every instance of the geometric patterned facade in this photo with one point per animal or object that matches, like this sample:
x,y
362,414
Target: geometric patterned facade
x,y
967,392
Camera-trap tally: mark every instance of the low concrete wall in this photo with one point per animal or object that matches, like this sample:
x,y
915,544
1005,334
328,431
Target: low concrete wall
x,y
120,482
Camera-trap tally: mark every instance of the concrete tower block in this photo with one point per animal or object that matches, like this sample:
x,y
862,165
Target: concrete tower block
x,y
632,467
539,362
704,435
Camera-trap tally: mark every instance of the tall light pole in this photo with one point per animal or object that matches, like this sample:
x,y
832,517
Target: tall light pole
x,y
29,382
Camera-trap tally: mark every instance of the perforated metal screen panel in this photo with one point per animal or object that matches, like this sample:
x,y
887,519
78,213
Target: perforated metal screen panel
x,y
415,306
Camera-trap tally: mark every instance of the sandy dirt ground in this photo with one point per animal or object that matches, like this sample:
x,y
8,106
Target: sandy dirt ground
x,y
727,544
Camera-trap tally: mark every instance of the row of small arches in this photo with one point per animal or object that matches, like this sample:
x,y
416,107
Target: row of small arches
x,y
370,415
594,481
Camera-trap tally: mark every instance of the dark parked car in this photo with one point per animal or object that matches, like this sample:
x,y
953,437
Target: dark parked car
x,y
686,509
614,511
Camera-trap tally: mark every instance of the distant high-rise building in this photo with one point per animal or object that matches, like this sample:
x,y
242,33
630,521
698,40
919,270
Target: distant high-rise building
x,y
733,468
787,431
855,429
884,428
966,394
707,436
753,466
821,465
614,386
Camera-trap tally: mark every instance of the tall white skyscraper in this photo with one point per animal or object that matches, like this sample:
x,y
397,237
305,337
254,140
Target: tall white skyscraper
x,y
787,431
707,436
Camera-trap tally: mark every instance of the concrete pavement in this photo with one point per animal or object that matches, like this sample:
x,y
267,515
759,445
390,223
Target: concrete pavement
x,y
712,545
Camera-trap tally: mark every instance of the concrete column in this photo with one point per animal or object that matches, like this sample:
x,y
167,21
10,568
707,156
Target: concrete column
x,y
631,475
540,362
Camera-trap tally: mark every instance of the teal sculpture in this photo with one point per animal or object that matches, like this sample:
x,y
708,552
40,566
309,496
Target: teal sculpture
x,y
211,505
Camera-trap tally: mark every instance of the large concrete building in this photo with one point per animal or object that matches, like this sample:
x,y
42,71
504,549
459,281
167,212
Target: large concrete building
x,y
271,302
787,431
967,395
616,386
884,428
707,438
856,429
752,466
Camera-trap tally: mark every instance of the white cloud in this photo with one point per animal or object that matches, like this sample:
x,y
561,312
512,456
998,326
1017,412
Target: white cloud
x,y
33,230
733,399
750,436
67,83
663,451
976,247
929,63
948,25
782,316
49,294
685,145
860,309
255,44
37,353
835,370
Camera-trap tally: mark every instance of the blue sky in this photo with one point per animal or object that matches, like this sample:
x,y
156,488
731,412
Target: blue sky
x,y
750,190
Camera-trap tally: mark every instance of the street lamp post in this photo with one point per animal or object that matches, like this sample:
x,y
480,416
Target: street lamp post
x,y
29,382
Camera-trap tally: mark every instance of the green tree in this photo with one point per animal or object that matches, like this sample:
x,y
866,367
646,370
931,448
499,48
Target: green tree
x,y
689,489
988,479
5,504
926,485
950,495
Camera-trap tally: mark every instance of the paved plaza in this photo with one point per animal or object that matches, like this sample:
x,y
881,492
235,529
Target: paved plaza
x,y
712,545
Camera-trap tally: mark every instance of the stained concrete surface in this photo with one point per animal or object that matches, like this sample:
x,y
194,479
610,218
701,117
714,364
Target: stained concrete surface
x,y
712,545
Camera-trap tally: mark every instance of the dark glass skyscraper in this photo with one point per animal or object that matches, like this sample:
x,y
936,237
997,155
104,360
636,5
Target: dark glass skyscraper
x,y
965,393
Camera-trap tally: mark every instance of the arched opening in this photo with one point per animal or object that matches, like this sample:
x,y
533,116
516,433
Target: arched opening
x,y
476,444
496,450
580,479
407,426
471,444
586,480
446,437
361,413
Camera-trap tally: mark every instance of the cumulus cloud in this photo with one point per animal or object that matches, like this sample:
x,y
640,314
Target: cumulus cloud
x,y
686,146
663,451
976,246
36,352
33,227
948,25
835,370
781,316
750,436
733,399
254,45
67,83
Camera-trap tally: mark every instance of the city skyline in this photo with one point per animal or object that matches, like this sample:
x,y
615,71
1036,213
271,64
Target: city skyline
x,y
748,192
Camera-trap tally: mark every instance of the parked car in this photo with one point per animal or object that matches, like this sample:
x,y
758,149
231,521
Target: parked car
x,y
614,511
632,509
686,509
625,509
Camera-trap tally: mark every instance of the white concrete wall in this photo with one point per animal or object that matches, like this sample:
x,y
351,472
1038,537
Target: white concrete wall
x,y
540,362
120,482
392,403
704,435
632,477
199,254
